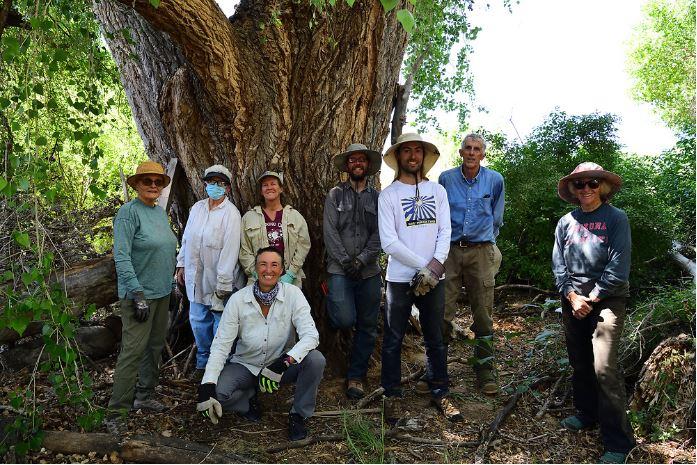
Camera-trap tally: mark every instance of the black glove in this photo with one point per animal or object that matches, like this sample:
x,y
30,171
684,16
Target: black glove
x,y
270,376
353,269
141,308
206,391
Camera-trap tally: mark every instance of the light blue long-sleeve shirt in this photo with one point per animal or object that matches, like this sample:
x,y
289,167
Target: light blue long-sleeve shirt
x,y
476,205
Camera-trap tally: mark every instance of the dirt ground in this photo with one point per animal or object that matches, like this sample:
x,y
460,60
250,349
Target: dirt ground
x,y
521,438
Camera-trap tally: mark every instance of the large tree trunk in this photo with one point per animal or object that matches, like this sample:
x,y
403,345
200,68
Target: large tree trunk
x,y
277,85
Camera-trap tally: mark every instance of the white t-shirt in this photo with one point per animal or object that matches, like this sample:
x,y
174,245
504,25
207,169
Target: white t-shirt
x,y
413,231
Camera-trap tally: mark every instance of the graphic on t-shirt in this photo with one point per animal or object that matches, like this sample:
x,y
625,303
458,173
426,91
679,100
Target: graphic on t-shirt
x,y
580,233
421,210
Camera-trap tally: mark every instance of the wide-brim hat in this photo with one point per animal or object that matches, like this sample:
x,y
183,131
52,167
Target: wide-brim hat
x,y
373,157
275,174
217,171
148,167
588,170
431,152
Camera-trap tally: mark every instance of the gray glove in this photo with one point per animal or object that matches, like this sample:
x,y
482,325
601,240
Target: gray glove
x,y
427,278
141,308
219,299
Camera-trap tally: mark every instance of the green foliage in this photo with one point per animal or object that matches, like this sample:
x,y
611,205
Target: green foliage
x,y
533,206
365,445
662,61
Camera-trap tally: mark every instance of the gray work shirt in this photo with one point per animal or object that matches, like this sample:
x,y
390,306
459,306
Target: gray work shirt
x,y
351,229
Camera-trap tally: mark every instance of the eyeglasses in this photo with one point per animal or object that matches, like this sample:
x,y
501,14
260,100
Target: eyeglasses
x,y
217,183
357,160
592,183
159,182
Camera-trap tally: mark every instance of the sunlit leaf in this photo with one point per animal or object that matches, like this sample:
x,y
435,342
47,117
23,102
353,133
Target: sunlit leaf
x,y
406,19
21,238
389,5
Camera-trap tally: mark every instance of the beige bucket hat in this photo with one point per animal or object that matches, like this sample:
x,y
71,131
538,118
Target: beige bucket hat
x,y
430,156
373,157
148,167
588,170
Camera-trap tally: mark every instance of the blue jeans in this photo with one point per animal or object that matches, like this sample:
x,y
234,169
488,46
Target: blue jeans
x,y
204,324
397,311
356,303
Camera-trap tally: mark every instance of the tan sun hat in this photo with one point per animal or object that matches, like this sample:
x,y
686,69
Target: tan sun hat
x,y
275,174
431,152
588,170
373,157
148,167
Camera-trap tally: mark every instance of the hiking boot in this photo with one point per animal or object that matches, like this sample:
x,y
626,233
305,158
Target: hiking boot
x,y
354,389
116,425
613,457
422,386
254,412
575,424
148,404
296,427
392,409
448,409
486,381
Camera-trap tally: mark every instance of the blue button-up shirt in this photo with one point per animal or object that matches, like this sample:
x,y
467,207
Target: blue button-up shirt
x,y
476,205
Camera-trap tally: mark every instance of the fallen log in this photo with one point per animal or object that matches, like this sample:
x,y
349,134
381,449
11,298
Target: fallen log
x,y
684,262
88,282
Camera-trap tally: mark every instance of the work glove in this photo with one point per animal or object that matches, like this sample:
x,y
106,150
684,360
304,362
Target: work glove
x,y
353,269
219,299
270,376
427,278
288,277
141,308
208,403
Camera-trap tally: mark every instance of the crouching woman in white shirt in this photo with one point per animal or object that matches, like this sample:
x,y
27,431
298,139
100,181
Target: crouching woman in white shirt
x,y
262,316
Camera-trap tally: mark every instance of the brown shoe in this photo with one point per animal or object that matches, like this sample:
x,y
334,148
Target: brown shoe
x,y
490,388
448,409
354,389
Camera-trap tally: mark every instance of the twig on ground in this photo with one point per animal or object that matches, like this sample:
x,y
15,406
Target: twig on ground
x,y
380,391
524,287
190,357
544,407
336,413
305,442
172,358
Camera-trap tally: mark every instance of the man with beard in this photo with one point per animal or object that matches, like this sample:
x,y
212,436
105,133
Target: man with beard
x,y
352,243
476,196
414,223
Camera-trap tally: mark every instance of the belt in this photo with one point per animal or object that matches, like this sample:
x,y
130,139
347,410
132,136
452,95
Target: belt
x,y
466,244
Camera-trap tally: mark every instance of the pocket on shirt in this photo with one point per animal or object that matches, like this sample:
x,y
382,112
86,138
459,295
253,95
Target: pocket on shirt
x,y
253,233
371,217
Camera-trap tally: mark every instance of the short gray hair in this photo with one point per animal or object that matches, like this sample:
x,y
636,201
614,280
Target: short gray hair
x,y
477,137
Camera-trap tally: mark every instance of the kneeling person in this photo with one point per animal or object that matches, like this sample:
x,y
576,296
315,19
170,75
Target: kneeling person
x,y
262,316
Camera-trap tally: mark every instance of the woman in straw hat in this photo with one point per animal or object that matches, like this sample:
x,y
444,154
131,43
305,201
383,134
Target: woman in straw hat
x,y
273,224
144,254
591,260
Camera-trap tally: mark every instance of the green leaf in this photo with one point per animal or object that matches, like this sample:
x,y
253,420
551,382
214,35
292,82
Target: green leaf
x,y
21,238
3,183
406,19
350,2
155,3
41,141
389,5
19,323
522,388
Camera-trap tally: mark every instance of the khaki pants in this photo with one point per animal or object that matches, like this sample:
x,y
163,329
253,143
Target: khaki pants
x,y
141,351
476,268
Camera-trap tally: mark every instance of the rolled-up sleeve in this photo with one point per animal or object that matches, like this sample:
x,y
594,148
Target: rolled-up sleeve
x,y
308,337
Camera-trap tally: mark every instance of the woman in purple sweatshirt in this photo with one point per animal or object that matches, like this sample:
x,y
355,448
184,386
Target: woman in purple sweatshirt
x,y
591,261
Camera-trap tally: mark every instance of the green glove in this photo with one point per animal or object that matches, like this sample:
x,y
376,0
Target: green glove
x,y
270,376
288,277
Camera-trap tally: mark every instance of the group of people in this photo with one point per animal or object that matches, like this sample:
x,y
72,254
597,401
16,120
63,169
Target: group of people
x,y
253,326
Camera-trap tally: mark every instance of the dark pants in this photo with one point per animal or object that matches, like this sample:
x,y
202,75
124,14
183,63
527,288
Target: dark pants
x,y
397,311
356,303
597,380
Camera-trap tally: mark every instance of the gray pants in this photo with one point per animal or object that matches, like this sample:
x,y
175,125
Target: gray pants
x,y
236,385
141,350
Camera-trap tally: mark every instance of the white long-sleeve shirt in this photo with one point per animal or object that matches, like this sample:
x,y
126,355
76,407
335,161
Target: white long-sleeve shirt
x,y
210,250
262,340
413,231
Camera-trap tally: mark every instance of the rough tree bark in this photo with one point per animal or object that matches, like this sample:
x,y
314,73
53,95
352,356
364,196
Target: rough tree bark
x,y
279,84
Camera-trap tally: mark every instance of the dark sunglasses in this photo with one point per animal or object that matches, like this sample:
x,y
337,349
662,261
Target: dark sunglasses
x,y
592,183
159,182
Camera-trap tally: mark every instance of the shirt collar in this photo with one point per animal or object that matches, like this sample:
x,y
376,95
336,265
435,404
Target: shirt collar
x,y
219,206
475,179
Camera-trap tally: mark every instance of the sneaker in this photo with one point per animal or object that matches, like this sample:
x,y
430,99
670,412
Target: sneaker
x,y
448,409
613,457
296,427
148,404
574,423
116,425
254,412
354,389
392,409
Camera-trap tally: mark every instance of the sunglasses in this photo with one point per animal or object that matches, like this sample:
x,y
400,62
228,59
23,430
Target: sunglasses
x,y
159,182
217,183
592,183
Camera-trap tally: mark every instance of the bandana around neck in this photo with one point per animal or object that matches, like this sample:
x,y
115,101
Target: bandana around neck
x,y
265,298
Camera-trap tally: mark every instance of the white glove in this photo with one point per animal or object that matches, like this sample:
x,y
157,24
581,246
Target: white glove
x,y
216,303
211,408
